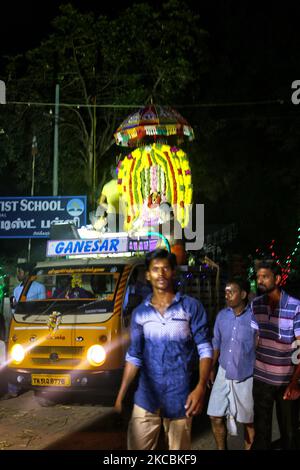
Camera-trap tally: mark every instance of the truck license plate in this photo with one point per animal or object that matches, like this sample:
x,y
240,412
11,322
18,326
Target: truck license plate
x,y
50,380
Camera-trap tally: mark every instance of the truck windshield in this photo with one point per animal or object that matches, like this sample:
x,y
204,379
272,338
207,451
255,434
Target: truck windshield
x,y
70,285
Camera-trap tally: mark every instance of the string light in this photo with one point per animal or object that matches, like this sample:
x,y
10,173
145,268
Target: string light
x,y
3,285
286,263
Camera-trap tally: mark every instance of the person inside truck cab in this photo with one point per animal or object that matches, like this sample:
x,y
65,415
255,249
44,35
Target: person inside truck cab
x,y
76,291
103,286
138,286
36,291
63,284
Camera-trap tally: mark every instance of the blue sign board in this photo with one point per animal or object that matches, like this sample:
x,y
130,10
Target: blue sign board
x,y
105,245
109,243
32,217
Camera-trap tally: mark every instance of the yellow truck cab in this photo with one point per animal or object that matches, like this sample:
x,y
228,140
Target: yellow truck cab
x,y
75,335
70,327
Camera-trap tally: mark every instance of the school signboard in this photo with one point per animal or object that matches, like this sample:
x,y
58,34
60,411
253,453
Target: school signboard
x,y
32,217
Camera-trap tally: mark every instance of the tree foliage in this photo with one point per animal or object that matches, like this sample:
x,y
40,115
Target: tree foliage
x,y
142,53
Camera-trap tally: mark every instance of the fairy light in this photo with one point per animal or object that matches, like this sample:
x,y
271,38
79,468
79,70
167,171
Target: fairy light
x,y
287,263
2,284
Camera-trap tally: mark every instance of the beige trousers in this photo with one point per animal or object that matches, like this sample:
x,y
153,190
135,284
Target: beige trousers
x,y
144,429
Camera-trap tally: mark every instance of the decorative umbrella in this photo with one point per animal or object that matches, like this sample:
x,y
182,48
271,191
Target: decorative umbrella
x,y
153,124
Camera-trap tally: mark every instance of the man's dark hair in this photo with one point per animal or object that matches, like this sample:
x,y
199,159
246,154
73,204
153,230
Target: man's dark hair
x,y
160,253
240,281
26,267
270,264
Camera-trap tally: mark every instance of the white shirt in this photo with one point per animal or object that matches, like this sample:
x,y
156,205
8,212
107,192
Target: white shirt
x,y
36,291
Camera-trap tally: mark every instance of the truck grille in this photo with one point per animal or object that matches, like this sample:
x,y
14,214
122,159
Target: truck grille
x,y
68,356
60,350
41,361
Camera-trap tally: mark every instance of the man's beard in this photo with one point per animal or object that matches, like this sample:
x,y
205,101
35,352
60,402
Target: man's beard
x,y
265,290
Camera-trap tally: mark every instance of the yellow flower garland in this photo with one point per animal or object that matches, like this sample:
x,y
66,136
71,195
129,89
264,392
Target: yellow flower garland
x,y
175,165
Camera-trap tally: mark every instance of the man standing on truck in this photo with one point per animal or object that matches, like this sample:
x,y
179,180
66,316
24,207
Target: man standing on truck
x,y
167,329
110,201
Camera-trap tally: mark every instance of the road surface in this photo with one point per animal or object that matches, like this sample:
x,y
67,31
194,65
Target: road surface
x,y
84,425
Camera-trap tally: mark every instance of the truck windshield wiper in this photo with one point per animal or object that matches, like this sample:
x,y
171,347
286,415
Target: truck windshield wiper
x,y
80,307
55,302
48,308
60,314
40,313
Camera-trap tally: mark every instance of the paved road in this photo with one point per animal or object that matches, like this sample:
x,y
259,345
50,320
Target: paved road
x,y
84,425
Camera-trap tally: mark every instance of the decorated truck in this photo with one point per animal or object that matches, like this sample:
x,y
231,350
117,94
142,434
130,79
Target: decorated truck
x,y
75,337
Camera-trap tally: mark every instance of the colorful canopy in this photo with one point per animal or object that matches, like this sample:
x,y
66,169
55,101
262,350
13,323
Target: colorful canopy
x,y
152,124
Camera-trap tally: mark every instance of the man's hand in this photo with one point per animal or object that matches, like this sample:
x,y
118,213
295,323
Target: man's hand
x,y
292,391
195,401
211,379
118,406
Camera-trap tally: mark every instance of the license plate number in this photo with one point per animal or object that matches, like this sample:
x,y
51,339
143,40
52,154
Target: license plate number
x,y
43,380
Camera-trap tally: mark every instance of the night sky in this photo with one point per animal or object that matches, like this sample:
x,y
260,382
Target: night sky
x,y
24,24
237,29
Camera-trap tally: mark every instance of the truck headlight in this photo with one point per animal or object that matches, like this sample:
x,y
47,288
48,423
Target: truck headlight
x,y
96,355
17,353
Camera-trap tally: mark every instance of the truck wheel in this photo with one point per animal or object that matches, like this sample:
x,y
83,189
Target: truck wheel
x,y
43,399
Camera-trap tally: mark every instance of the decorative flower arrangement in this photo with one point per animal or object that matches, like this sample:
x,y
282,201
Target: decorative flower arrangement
x,y
156,169
76,280
54,321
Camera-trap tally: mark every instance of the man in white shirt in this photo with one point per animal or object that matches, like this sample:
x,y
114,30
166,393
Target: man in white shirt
x,y
36,290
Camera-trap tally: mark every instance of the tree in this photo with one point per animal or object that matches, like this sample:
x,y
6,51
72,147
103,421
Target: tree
x,y
142,53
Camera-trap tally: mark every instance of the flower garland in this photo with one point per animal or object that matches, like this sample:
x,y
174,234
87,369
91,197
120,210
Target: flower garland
x,y
180,189
156,169
163,164
53,322
76,280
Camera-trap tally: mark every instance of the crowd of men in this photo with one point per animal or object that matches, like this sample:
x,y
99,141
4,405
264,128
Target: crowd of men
x,y
254,346
247,365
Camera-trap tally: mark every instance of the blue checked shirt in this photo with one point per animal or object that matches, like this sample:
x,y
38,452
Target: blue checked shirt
x,y
234,337
165,349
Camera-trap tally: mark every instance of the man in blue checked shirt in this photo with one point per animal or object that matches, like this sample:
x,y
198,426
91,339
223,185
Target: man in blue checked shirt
x,y
234,347
167,331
